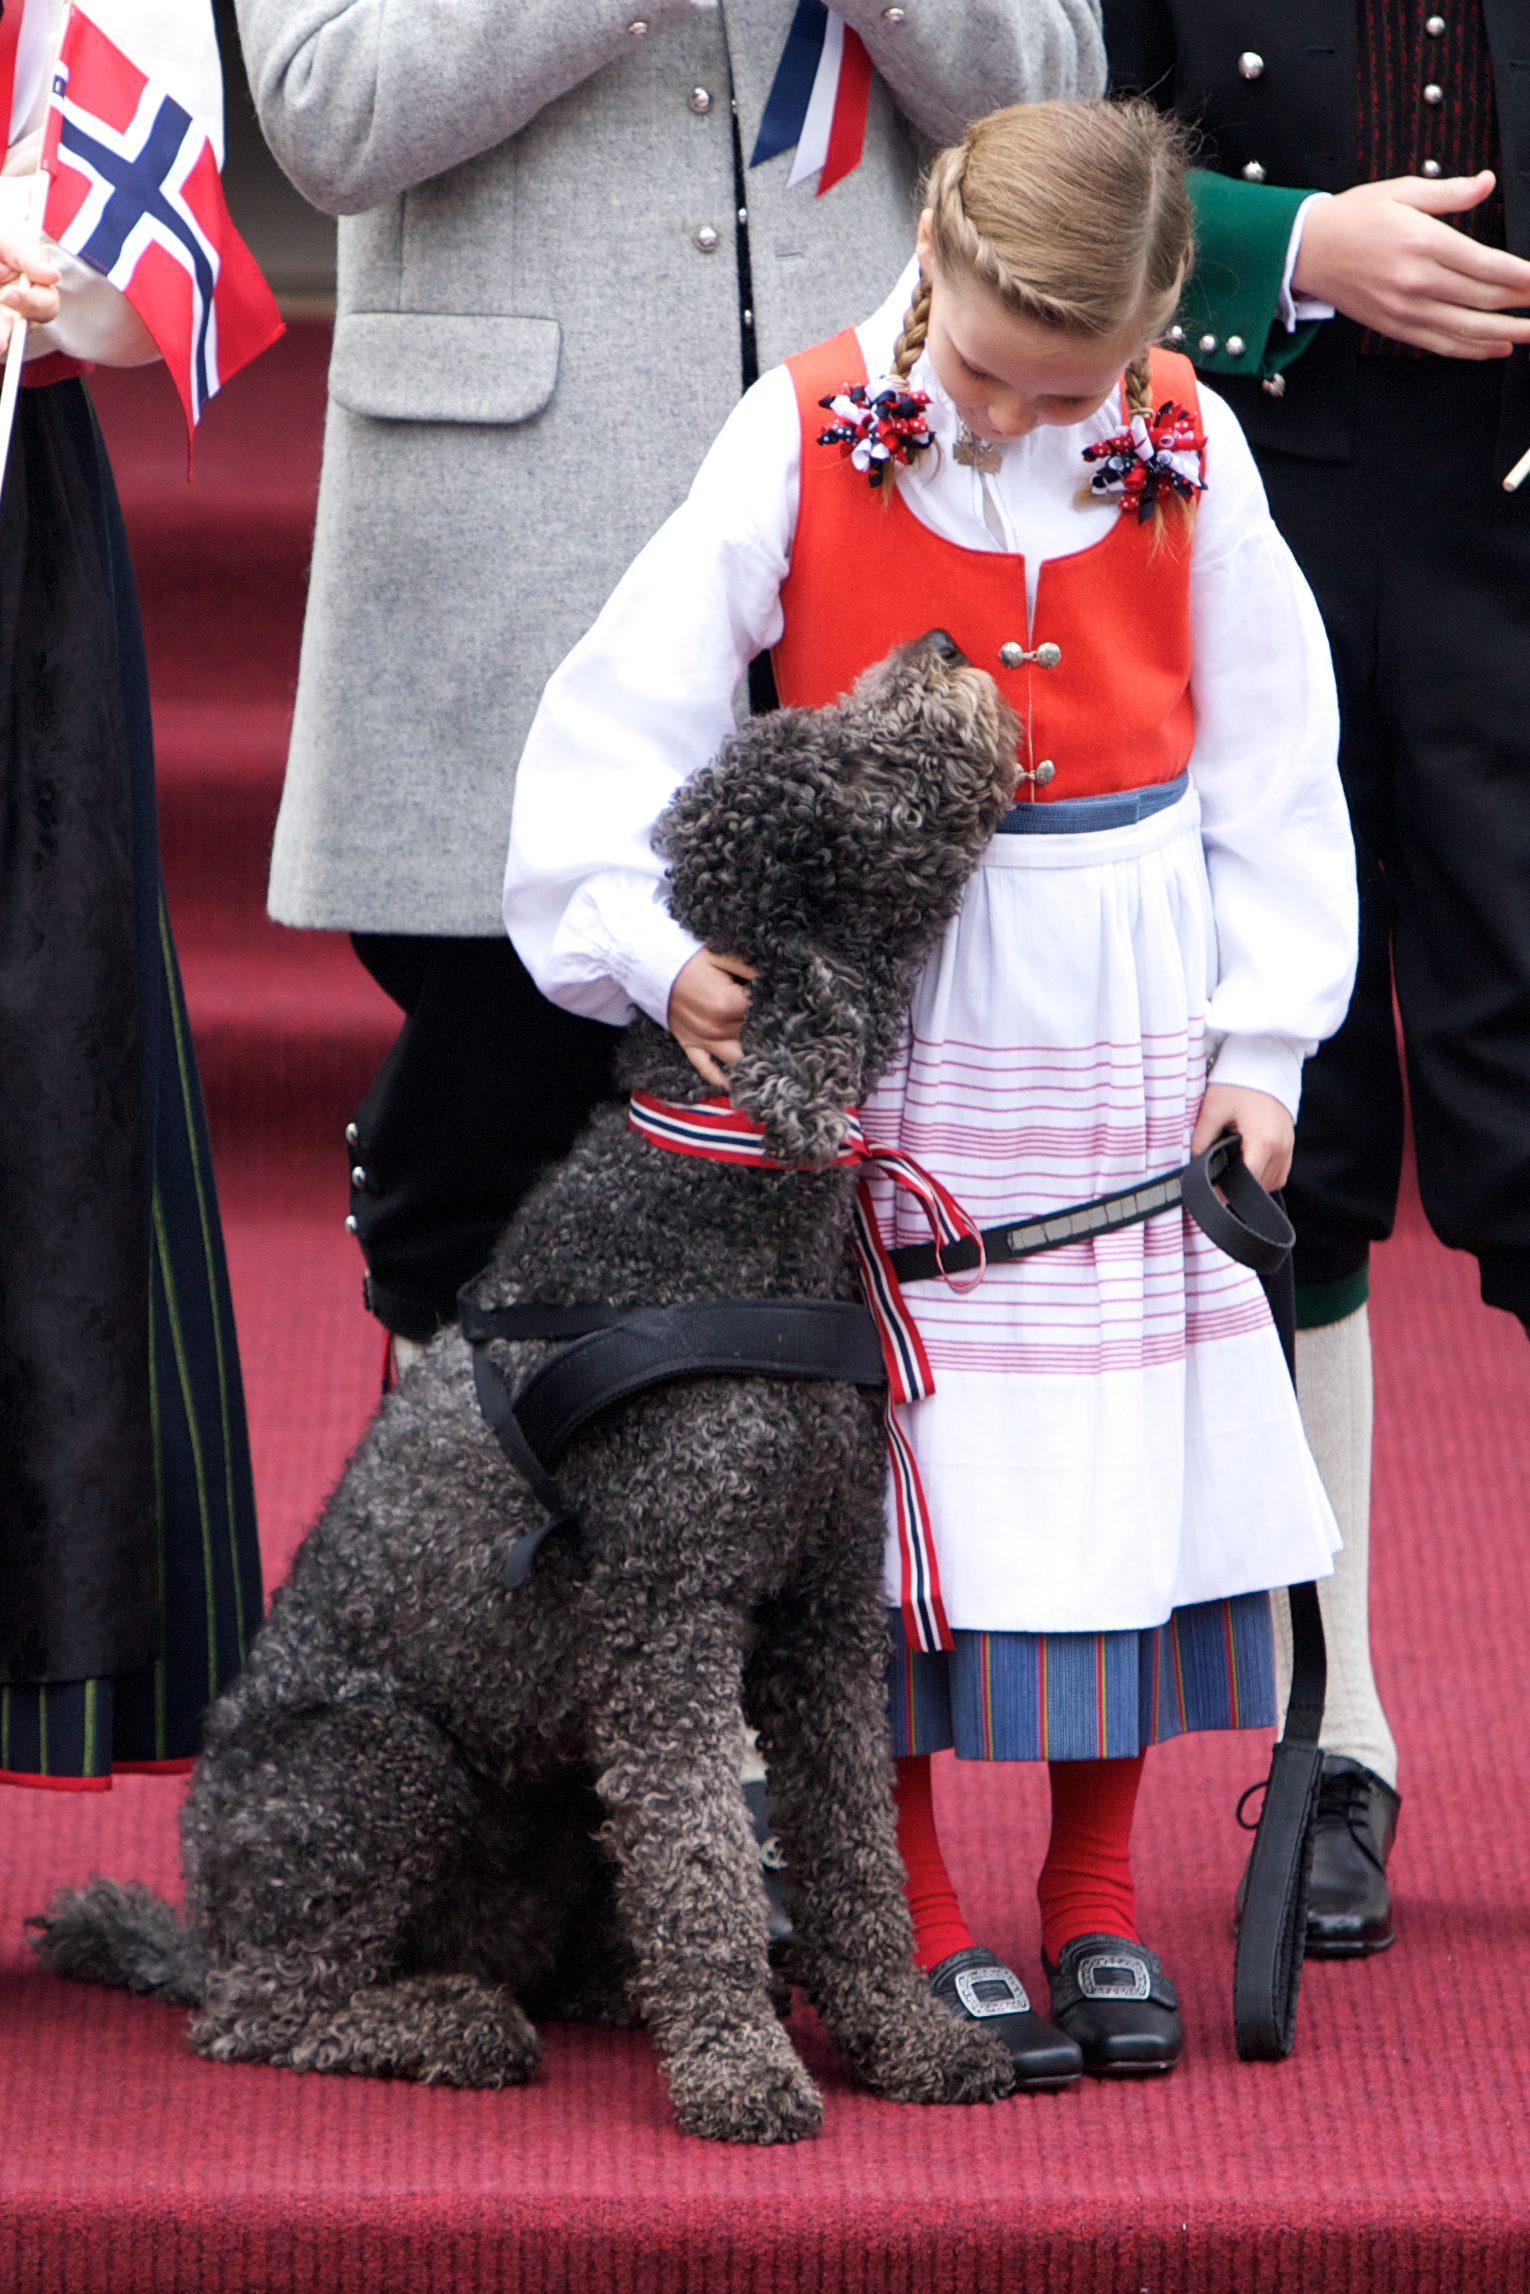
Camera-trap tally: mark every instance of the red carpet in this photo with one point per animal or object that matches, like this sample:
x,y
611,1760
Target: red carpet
x,y
1389,2154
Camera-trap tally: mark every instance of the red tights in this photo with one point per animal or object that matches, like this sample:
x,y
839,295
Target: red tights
x,y
1085,1887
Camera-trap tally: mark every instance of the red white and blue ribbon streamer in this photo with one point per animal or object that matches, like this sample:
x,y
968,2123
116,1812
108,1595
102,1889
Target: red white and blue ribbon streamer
x,y
818,99
715,1130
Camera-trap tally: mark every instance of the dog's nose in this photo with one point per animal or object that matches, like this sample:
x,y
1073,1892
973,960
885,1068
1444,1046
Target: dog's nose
x,y
942,642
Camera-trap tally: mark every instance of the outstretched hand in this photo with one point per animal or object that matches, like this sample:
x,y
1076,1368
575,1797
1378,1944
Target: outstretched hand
x,y
1263,1125
28,283
1380,254
707,1005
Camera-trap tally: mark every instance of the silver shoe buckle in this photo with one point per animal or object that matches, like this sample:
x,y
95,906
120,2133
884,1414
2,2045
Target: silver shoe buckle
x,y
1099,1976
991,1991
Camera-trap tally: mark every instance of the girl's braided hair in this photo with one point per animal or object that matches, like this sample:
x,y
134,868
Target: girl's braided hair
x,y
1073,214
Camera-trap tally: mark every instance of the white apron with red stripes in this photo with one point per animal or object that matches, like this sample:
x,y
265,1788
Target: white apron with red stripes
x,y
1113,1433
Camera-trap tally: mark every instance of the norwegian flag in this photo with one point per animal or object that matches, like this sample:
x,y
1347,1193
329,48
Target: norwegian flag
x,y
135,192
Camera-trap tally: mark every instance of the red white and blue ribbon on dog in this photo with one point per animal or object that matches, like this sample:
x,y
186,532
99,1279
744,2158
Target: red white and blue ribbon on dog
x,y
818,99
714,1129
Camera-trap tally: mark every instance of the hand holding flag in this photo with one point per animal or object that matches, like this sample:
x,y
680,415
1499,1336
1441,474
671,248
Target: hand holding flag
x,y
28,283
135,190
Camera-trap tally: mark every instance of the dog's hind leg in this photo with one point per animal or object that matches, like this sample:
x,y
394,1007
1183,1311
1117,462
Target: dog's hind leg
x,y
322,1854
666,1737
817,1695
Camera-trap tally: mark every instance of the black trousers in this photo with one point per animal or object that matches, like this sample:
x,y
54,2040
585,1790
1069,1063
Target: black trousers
x,y
486,1084
1421,566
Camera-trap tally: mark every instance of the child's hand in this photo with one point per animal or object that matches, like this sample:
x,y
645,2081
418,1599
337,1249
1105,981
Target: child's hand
x,y
37,301
1262,1123
706,1010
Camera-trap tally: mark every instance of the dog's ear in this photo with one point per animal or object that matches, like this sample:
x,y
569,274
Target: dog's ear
x,y
804,1053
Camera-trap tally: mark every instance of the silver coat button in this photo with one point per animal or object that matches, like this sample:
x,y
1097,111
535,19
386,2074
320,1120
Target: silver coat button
x,y
350,1224
1431,167
699,100
1235,346
1250,65
706,239
1208,343
352,1135
1045,771
1252,171
1048,655
358,1175
1434,94
1435,27
1011,653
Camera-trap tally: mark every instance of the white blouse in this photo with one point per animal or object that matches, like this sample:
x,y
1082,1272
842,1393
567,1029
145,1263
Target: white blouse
x,y
648,696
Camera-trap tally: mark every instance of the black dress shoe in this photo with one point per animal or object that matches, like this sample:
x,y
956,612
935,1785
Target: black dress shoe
x,y
972,1983
1113,1997
1349,1905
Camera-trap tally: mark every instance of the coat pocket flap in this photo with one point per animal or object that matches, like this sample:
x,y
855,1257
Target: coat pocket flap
x,y
419,366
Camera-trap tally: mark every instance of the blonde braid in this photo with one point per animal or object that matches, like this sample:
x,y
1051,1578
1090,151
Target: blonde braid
x,y
1137,385
916,325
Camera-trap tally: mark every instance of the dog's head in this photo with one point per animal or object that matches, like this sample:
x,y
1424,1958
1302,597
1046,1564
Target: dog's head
x,y
828,848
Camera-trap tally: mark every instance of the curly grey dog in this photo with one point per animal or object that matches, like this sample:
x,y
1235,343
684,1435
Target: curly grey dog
x,y
432,1808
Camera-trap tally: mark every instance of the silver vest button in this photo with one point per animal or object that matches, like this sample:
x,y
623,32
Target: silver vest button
x,y
351,1227
1250,65
352,1135
1208,344
1435,27
1252,171
1431,167
1434,94
1176,336
699,100
1235,346
706,239
358,1175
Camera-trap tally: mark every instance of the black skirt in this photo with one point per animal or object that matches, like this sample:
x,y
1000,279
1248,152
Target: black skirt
x,y
129,1569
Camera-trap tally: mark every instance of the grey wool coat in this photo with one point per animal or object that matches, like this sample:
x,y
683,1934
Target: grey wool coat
x,y
536,339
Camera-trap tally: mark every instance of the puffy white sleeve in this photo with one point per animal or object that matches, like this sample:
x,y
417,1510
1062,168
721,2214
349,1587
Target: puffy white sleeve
x,y
1265,765
639,705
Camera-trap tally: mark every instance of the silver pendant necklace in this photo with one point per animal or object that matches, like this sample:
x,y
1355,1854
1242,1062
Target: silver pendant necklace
x,y
976,453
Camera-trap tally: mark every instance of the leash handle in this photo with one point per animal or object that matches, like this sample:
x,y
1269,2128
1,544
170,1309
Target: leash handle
x,y
1245,1221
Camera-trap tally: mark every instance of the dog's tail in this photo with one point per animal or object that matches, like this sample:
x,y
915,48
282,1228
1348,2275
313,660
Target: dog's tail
x,y
125,1936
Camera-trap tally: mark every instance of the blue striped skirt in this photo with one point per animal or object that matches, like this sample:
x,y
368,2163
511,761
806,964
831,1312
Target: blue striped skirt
x,y
1085,1696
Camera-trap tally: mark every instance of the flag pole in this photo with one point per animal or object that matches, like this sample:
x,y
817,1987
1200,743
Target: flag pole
x,y
32,222
15,349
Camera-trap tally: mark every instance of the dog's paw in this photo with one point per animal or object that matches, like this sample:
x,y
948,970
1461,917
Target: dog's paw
x,y
749,2088
923,2054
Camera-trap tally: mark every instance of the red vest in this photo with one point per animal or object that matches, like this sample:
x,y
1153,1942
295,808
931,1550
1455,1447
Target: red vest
x,y
1112,712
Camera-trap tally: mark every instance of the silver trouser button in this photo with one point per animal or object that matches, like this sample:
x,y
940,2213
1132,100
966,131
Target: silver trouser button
x,y
991,1991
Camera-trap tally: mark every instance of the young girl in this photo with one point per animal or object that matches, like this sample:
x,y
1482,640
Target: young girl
x,y
1163,930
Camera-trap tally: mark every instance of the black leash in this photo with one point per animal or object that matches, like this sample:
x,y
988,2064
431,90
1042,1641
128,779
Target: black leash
x,y
611,1353
1250,1226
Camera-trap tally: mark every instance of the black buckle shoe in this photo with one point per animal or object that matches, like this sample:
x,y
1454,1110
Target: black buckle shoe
x,y
975,1985
1349,1905
1112,1996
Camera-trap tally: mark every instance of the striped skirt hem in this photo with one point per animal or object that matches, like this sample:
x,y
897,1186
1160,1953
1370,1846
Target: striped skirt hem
x,y
1085,1696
